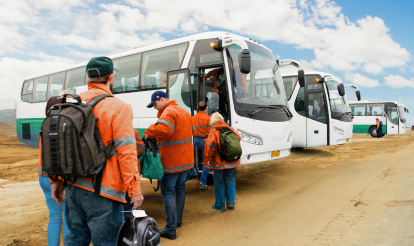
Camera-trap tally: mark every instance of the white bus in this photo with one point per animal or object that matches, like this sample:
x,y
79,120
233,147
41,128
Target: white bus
x,y
238,61
321,115
391,114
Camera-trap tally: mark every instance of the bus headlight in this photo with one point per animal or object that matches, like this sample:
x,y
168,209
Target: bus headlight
x,y
338,130
249,138
289,137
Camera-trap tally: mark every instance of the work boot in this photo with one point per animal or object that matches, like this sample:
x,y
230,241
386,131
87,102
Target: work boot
x,y
179,225
167,235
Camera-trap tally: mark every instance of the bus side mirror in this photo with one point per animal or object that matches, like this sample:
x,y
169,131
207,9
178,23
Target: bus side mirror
x,y
244,61
301,78
358,95
341,90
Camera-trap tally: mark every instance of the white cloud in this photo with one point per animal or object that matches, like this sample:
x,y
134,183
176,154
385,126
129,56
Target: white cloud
x,y
397,81
14,71
361,80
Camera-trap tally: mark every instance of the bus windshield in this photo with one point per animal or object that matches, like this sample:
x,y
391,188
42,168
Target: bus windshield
x,y
339,106
401,113
260,87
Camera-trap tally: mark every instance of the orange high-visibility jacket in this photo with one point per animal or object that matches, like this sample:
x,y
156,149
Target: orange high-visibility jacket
x,y
211,149
140,144
215,74
201,123
115,126
173,131
378,125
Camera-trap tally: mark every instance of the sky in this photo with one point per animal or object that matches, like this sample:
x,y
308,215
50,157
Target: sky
x,y
367,43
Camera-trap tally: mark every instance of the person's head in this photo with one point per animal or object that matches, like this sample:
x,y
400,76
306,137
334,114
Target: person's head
x,y
101,70
158,100
52,101
132,111
377,119
320,100
202,105
163,80
215,118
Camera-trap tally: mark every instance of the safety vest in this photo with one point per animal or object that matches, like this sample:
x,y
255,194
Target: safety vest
x,y
201,123
173,131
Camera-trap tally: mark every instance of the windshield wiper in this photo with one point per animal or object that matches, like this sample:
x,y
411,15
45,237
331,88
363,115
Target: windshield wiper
x,y
260,108
342,115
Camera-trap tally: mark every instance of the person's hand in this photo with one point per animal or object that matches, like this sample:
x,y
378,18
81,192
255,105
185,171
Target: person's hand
x,y
137,200
145,136
57,193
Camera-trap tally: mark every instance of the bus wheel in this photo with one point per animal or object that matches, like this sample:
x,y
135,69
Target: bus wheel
x,y
373,132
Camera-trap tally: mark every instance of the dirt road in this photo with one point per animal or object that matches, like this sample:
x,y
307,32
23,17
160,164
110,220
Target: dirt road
x,y
355,194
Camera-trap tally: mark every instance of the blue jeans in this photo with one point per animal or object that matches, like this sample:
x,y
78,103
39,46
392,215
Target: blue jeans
x,y
199,144
91,218
55,214
173,194
225,187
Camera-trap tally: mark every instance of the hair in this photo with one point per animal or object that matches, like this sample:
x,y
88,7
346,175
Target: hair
x,y
377,119
52,101
202,105
215,118
64,92
130,108
102,79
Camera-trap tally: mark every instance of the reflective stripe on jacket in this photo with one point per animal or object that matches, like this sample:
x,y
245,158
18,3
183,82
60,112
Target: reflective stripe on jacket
x,y
173,131
201,123
115,126
211,149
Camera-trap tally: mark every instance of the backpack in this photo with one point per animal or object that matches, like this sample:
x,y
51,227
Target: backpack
x,y
380,124
71,143
139,232
229,147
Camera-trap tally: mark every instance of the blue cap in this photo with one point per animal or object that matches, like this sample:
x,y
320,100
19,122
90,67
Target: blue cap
x,y
156,96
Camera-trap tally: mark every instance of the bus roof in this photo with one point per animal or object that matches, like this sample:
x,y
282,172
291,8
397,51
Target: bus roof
x,y
143,48
293,71
366,101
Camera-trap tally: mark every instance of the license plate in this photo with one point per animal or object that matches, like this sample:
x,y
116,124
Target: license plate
x,y
347,140
275,153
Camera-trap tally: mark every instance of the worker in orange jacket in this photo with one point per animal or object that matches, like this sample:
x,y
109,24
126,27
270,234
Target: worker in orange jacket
x,y
173,131
97,218
201,123
224,171
218,78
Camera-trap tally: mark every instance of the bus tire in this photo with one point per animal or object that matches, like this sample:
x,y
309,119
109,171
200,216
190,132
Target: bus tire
x,y
373,132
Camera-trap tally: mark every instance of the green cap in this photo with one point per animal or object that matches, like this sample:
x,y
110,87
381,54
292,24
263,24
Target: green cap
x,y
99,66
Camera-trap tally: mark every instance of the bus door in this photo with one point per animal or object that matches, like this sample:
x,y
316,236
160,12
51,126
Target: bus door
x,y
393,118
317,116
401,128
179,88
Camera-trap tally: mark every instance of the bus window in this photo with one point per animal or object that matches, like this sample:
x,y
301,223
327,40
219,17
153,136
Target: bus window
x,y
358,110
75,77
127,76
40,89
374,110
57,83
27,91
158,62
392,113
300,102
316,106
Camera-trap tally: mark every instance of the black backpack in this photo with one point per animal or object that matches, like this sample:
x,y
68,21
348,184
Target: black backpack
x,y
139,232
71,143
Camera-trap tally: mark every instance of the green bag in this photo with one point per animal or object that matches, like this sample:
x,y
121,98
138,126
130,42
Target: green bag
x,y
151,167
229,147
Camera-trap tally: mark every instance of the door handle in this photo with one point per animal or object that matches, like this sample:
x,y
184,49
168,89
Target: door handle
x,y
316,131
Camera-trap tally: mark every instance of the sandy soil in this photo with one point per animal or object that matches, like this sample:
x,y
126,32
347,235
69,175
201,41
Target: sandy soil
x,y
355,194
